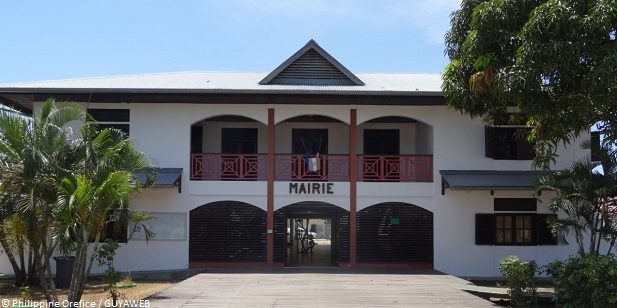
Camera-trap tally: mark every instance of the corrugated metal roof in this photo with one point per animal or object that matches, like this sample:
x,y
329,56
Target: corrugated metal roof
x,y
236,82
490,179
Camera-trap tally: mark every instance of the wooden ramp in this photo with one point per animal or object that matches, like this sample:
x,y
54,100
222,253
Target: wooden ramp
x,y
313,289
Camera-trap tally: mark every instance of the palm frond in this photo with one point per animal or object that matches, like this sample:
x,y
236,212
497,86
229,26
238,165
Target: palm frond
x,y
138,221
46,108
70,112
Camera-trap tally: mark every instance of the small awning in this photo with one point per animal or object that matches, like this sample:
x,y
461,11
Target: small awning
x,y
490,179
167,178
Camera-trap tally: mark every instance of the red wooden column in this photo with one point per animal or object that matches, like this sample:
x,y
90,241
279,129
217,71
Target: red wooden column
x,y
270,193
353,178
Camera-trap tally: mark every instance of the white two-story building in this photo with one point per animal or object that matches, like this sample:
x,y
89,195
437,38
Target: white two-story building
x,y
314,165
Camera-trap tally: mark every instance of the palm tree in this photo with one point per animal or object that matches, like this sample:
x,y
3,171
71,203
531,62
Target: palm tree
x,y
12,124
63,189
11,239
98,193
585,196
33,153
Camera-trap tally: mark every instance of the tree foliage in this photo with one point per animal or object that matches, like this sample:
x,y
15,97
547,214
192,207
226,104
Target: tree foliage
x,y
34,155
555,61
586,198
97,193
520,280
62,188
581,282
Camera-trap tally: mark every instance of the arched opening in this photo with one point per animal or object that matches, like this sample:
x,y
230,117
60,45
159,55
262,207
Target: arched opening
x,y
227,231
311,118
395,232
395,148
228,147
312,148
311,234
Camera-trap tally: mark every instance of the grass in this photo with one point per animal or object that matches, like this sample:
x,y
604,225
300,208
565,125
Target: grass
x,y
94,292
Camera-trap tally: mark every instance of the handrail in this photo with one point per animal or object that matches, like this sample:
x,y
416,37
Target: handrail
x,y
395,168
295,167
239,167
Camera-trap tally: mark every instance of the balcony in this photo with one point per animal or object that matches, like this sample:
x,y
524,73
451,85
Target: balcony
x,y
296,168
396,168
224,167
311,148
334,168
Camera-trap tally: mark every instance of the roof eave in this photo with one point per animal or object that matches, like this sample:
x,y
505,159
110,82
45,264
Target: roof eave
x,y
217,91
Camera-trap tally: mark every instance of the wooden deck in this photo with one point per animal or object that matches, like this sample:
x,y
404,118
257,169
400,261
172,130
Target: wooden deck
x,y
544,295
314,289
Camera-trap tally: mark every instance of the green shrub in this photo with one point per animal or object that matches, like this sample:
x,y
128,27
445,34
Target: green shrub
x,y
520,280
589,281
105,256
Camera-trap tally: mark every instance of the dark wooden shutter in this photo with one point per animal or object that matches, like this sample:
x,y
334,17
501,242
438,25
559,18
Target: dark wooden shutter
x,y
489,142
485,229
595,146
110,115
197,133
117,231
515,204
114,230
524,149
544,236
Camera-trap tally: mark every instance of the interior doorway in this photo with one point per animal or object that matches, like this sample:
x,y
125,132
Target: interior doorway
x,y
238,140
310,241
309,141
382,142
311,234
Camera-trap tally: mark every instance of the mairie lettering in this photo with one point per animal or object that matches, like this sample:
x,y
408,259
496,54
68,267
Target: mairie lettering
x,y
311,188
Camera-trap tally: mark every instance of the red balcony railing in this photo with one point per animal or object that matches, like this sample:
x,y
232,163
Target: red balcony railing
x,y
252,167
296,168
249,167
400,168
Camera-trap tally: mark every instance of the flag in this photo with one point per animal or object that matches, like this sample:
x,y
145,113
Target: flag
x,y
314,163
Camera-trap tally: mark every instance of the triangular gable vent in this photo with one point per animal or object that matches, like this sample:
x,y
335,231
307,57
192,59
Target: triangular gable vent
x,y
311,65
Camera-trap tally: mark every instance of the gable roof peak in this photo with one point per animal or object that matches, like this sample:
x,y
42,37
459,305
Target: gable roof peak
x,y
311,65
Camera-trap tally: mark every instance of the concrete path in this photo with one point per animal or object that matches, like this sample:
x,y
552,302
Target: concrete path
x,y
325,289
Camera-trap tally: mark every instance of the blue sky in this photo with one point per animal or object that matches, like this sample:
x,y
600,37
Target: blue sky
x,y
59,39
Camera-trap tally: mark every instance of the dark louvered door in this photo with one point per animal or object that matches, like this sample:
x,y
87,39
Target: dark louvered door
x,y
280,236
343,236
395,233
227,231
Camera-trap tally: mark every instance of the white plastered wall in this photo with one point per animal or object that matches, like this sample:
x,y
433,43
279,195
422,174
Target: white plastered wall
x,y
454,234
459,145
456,141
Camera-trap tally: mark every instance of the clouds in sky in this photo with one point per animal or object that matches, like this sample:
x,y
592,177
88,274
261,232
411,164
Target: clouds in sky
x,y
66,38
429,18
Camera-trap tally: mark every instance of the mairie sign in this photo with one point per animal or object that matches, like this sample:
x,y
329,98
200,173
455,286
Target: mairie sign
x,y
309,188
